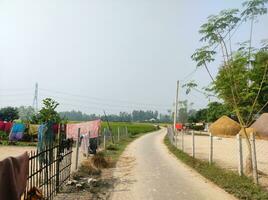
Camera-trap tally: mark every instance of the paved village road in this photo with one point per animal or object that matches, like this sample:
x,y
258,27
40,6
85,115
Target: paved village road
x,y
147,171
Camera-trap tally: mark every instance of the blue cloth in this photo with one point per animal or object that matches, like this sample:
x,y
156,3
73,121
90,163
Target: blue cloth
x,y
16,132
42,129
46,139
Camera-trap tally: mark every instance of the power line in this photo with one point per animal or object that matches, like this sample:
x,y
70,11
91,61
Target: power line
x,y
101,104
189,75
16,89
102,99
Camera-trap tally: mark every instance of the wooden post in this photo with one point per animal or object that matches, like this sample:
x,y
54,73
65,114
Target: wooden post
x,y
77,149
126,131
176,106
176,138
254,159
118,134
88,144
193,145
104,140
58,161
210,148
182,140
240,154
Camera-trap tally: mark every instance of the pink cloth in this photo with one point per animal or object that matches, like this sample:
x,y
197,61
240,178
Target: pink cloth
x,y
90,128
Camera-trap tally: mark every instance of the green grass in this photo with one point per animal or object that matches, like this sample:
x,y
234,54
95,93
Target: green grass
x,y
113,151
241,187
133,128
24,144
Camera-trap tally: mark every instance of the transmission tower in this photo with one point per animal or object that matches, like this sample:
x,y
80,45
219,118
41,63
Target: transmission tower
x,y
35,100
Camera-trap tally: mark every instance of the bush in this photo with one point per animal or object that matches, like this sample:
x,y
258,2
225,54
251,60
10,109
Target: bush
x,y
112,147
3,135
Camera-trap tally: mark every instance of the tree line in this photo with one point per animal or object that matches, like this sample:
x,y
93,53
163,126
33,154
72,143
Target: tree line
x,y
27,114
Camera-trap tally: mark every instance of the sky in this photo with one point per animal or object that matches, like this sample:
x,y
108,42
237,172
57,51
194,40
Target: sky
x,y
95,55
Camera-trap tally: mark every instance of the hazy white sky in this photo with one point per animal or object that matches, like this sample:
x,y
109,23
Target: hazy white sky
x,y
96,55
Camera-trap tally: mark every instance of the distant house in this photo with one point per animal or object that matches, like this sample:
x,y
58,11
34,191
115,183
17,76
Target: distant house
x,y
152,120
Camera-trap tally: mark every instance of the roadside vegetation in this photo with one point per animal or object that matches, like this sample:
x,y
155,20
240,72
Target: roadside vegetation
x,y
135,130
132,127
241,187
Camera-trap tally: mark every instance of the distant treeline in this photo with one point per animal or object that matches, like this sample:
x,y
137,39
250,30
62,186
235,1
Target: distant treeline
x,y
136,116
27,114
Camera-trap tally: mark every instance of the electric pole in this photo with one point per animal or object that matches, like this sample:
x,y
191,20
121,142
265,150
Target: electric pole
x,y
176,105
35,100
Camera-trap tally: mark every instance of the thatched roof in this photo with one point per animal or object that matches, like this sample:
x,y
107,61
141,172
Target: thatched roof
x,y
261,126
224,126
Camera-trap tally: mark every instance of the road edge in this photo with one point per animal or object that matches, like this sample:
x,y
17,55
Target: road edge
x,y
230,182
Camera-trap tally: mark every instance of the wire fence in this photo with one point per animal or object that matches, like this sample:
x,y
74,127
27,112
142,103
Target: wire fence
x,y
231,153
108,137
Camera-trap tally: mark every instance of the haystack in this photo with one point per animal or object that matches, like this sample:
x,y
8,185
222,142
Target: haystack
x,y
249,131
224,126
261,126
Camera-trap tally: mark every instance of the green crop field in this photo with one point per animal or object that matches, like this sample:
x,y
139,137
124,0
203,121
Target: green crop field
x,y
133,128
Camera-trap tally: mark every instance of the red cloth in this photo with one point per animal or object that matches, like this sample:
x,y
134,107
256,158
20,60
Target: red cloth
x,y
179,126
90,128
13,177
2,126
8,126
55,128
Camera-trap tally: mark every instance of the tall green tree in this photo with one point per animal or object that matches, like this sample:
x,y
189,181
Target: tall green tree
x,y
234,82
9,113
47,113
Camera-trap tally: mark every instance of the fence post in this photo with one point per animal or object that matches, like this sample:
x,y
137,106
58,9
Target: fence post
x,y
254,159
88,144
171,138
104,140
118,134
182,140
126,131
77,149
176,138
210,148
193,144
58,161
240,154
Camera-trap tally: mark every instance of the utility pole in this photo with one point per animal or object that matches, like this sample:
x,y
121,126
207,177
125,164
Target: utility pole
x,y
35,101
176,106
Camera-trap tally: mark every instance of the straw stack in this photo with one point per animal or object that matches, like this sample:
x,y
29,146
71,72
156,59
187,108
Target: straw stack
x,y
224,126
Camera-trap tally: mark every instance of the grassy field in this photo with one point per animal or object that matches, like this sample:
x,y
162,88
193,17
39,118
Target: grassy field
x,y
240,186
135,130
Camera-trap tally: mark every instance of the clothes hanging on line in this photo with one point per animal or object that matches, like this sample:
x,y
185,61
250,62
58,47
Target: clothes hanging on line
x,y
16,132
2,126
13,177
8,126
33,129
90,128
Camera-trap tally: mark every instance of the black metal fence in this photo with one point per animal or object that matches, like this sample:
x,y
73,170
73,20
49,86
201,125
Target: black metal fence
x,y
49,169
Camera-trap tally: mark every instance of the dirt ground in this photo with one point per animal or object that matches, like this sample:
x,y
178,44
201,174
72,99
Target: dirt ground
x,y
225,152
98,191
